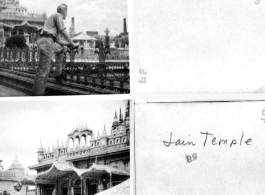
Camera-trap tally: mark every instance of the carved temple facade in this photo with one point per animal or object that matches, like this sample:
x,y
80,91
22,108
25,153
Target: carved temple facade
x,y
9,177
13,18
86,164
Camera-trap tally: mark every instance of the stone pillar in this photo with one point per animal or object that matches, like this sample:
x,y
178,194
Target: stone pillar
x,y
85,187
100,186
72,190
81,185
69,186
110,180
38,189
41,190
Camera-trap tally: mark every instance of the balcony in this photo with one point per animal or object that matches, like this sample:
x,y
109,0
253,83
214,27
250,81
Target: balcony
x,y
20,17
83,75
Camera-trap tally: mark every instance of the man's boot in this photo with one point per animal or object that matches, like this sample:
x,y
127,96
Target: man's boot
x,y
39,86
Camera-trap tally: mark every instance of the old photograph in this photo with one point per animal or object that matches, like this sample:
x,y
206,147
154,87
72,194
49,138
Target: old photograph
x,y
48,150
54,47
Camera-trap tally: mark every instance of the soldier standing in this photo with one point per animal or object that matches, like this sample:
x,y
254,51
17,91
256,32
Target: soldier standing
x,y
50,35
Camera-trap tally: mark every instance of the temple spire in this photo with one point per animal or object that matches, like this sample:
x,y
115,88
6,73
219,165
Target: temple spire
x,y
115,114
104,134
120,120
92,137
127,110
98,136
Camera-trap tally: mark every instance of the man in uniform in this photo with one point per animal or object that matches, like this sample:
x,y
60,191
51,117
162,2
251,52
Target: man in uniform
x,y
49,35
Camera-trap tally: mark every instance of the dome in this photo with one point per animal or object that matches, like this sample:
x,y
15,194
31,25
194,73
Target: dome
x,y
80,128
16,165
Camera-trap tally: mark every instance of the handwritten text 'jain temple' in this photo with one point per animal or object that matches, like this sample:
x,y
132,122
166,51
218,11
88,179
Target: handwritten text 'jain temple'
x,y
210,139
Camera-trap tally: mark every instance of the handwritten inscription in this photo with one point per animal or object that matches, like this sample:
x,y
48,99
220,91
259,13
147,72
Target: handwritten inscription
x,y
141,71
178,142
214,141
142,79
224,141
257,1
263,114
191,158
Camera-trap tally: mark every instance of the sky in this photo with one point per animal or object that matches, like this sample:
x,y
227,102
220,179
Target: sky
x,y
92,15
25,123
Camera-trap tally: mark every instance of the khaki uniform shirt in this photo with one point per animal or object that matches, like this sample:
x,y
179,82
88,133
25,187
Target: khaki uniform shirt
x,y
53,26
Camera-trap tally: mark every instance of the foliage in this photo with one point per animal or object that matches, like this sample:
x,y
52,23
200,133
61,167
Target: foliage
x,y
16,41
124,41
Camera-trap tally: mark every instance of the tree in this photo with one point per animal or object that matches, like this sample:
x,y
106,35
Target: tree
x,y
125,41
16,41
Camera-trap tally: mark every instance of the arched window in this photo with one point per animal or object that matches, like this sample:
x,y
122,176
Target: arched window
x,y
71,143
77,141
88,139
83,140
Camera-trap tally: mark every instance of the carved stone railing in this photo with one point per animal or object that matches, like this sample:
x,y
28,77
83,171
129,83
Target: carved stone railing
x,y
68,153
111,76
14,16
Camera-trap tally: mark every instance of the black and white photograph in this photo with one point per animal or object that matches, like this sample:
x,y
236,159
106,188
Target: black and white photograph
x,y
132,97
48,150
55,47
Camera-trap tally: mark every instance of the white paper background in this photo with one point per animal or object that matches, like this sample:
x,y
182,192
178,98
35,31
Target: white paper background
x,y
199,46
218,169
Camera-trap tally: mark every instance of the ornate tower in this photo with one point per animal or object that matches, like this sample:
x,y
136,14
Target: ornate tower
x,y
72,28
40,153
124,26
121,118
127,122
127,115
104,137
115,123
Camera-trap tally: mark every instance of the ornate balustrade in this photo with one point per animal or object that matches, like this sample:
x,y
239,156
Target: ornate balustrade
x,y
14,16
110,76
81,151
